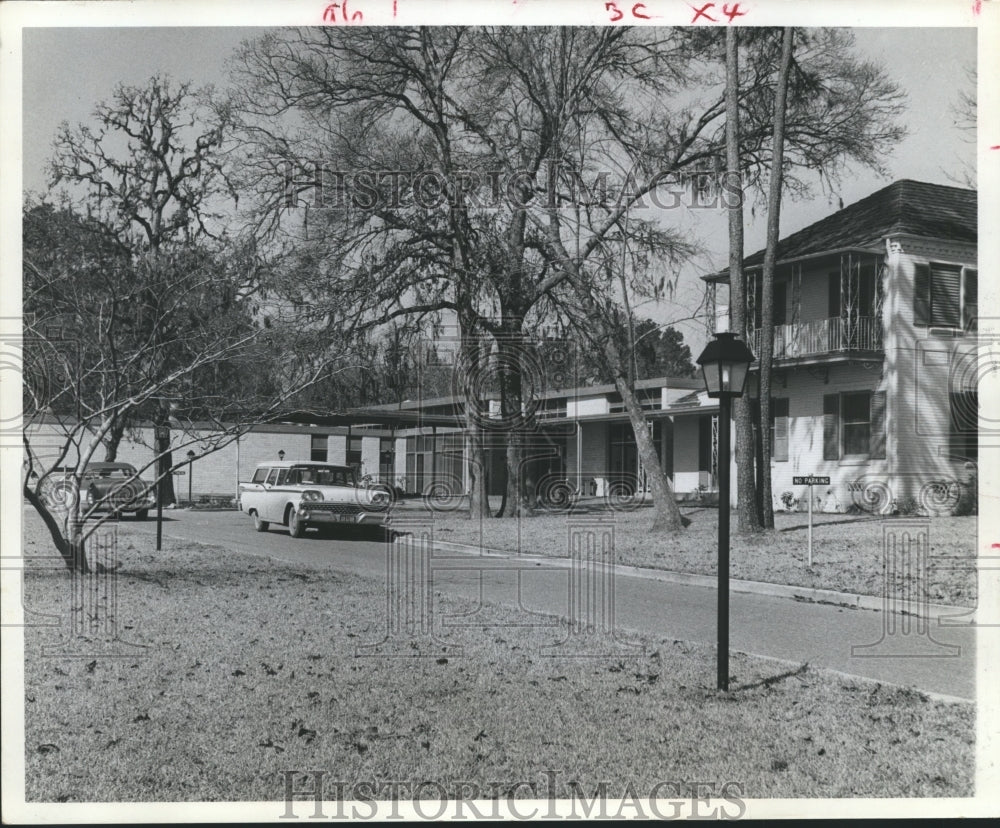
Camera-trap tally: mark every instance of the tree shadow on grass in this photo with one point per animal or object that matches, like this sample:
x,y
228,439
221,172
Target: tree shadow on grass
x,y
817,525
772,680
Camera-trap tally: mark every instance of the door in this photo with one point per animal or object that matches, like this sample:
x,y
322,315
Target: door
x,y
271,501
252,492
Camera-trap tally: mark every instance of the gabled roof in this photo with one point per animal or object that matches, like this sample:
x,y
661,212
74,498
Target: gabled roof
x,y
904,207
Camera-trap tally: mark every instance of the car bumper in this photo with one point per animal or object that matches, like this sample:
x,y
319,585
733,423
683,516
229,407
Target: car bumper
x,y
327,518
120,507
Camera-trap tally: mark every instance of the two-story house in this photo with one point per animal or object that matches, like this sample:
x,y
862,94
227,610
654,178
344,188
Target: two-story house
x,y
875,363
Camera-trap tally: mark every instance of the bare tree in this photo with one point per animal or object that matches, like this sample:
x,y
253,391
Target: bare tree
x,y
965,112
149,171
595,314
103,347
551,119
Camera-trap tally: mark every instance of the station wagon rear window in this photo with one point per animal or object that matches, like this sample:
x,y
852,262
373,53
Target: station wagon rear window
x,y
320,476
116,472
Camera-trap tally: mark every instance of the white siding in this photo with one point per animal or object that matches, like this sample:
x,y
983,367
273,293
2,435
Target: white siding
x,y
369,456
337,449
400,459
587,406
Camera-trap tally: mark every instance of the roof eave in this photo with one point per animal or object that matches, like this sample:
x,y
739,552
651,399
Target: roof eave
x,y
874,248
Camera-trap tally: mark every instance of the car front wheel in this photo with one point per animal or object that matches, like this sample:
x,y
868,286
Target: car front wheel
x,y
296,528
258,524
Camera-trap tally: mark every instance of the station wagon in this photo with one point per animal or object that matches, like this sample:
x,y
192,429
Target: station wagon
x,y
304,494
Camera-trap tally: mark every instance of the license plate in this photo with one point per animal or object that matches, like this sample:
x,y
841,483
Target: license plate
x,y
345,518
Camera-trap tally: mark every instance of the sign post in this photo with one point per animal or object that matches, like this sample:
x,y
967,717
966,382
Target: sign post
x,y
810,481
162,446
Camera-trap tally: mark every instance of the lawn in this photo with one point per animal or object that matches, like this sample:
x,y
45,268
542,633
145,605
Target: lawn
x,y
847,550
248,669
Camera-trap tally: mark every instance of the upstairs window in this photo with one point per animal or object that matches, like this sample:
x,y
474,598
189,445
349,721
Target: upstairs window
x,y
779,301
854,294
945,296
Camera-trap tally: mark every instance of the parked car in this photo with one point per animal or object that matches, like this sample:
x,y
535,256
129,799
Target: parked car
x,y
117,487
303,494
106,487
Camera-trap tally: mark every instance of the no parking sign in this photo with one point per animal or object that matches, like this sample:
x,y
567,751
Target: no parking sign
x,y
810,481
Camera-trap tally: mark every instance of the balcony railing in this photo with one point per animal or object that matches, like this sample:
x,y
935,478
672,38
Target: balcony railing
x,y
823,336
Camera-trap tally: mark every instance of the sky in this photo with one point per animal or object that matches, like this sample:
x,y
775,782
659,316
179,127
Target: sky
x,y
66,71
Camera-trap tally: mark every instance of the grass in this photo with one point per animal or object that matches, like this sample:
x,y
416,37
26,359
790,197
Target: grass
x,y
847,550
250,670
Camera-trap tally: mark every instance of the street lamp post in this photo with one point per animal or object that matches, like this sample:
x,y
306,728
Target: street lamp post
x,y
190,476
724,366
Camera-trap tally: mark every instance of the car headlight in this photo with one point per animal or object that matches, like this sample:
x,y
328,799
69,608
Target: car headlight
x,y
311,495
379,498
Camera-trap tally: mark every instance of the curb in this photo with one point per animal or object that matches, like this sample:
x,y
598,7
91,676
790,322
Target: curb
x,y
811,595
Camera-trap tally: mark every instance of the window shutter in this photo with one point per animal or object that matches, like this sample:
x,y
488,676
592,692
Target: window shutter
x,y
831,427
779,451
877,449
946,293
922,295
970,299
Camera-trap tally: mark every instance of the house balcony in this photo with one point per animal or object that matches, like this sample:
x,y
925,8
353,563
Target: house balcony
x,y
822,339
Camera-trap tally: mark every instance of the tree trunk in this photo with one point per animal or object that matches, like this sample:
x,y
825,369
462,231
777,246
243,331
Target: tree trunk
x,y
510,353
766,355
70,544
470,365
666,514
745,488
114,438
479,503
